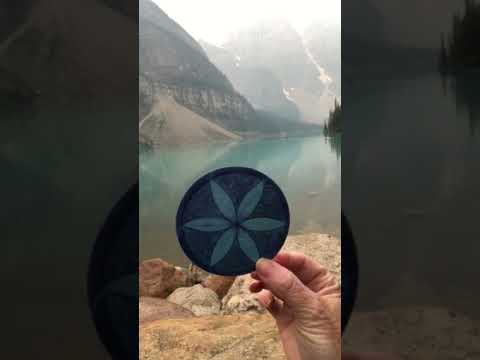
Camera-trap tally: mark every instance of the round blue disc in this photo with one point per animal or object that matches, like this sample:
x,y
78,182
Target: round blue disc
x,y
231,217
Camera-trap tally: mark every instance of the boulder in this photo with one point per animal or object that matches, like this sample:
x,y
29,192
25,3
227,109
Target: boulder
x,y
199,300
219,284
157,278
151,309
246,337
243,304
196,275
323,248
239,299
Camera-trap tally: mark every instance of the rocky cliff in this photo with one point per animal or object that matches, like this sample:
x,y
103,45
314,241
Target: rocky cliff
x,y
272,65
258,84
324,43
171,60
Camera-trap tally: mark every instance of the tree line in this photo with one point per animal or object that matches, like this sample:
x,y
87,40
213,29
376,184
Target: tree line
x,y
334,122
460,50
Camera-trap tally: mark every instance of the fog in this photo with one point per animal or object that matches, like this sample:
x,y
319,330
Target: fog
x,y
214,20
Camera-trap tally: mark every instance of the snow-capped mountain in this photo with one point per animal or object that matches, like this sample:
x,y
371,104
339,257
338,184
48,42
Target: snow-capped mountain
x,y
278,69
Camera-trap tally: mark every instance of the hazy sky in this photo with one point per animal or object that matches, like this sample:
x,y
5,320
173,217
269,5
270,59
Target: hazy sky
x,y
214,20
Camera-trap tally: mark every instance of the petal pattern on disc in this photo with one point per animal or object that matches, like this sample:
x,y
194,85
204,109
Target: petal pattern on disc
x,y
248,245
250,201
208,224
223,201
223,245
262,224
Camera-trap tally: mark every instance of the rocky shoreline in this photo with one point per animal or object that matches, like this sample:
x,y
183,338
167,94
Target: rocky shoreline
x,y
177,305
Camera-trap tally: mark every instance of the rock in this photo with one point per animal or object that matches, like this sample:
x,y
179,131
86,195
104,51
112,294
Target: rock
x,y
323,248
196,275
151,309
246,337
219,284
157,278
243,304
239,299
200,300
240,287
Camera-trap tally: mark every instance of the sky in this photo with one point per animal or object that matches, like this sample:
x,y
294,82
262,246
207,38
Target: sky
x,y
214,20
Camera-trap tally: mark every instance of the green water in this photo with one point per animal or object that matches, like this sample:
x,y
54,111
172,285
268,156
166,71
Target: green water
x,y
307,170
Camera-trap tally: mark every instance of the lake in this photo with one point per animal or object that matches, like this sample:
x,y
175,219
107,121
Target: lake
x,y
411,188
306,169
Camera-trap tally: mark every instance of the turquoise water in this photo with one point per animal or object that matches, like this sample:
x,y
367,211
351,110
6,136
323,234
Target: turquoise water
x,y
307,170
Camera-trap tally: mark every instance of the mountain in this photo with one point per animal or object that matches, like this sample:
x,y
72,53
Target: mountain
x,y
184,98
175,70
277,45
259,85
324,43
152,13
288,71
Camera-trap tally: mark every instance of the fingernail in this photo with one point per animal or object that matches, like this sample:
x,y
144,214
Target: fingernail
x,y
263,267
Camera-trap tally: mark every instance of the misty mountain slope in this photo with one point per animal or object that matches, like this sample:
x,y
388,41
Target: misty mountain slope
x,y
169,123
324,43
149,11
171,65
259,85
276,47
170,59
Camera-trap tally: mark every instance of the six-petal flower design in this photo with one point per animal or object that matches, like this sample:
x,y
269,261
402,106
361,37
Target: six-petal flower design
x,y
235,223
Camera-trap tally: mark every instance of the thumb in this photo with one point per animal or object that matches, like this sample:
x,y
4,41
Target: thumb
x,y
284,285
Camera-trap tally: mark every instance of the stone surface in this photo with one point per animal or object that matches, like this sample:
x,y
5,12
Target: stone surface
x,y
242,299
246,337
229,336
323,248
196,274
199,300
242,304
151,309
219,284
157,278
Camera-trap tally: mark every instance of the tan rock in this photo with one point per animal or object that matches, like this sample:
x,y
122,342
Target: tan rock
x,y
219,284
325,249
242,305
151,309
199,300
240,287
196,275
243,337
239,299
157,278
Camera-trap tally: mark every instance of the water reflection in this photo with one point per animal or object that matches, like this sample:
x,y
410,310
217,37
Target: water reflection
x,y
409,189
307,170
335,143
464,87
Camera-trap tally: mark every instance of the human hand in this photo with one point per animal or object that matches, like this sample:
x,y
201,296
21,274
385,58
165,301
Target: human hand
x,y
305,301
